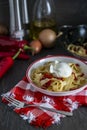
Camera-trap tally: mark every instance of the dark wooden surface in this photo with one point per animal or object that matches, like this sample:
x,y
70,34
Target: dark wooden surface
x,y
68,12
9,120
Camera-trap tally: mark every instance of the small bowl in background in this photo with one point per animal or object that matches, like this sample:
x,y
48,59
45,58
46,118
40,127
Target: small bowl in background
x,y
76,35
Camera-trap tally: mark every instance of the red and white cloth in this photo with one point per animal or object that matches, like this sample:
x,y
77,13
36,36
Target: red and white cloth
x,y
42,118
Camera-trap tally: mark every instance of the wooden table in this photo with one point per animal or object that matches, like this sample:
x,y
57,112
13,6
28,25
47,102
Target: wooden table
x,y
9,120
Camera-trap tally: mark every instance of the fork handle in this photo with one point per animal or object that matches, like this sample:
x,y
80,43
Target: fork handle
x,y
24,105
51,109
58,111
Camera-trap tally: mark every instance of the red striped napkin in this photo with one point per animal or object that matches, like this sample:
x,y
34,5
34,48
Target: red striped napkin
x,y
42,118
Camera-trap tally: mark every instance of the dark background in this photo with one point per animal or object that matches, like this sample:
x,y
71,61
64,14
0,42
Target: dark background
x,y
68,11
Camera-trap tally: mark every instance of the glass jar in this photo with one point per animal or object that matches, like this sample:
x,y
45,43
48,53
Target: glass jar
x,y
43,17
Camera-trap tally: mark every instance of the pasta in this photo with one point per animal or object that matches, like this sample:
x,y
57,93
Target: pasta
x,y
79,50
42,77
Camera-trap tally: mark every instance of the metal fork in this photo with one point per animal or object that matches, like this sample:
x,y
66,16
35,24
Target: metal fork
x,y
18,104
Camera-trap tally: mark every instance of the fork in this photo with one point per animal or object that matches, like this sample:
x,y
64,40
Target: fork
x,y
18,104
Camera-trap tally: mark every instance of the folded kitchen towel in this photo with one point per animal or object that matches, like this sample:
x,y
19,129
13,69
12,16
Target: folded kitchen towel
x,y
24,92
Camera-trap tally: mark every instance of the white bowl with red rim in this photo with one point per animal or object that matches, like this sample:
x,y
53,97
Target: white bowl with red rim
x,y
66,59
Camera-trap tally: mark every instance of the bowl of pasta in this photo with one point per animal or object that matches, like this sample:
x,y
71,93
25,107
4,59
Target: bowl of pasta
x,y
74,40
57,75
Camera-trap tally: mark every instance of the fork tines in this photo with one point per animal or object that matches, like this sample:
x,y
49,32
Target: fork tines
x,y
12,100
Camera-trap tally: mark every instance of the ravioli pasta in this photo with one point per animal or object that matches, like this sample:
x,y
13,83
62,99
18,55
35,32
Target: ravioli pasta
x,y
42,77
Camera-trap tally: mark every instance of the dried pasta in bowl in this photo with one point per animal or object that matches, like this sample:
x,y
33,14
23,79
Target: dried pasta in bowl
x,y
78,50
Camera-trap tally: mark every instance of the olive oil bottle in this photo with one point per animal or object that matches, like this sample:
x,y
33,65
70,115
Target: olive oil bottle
x,y
43,17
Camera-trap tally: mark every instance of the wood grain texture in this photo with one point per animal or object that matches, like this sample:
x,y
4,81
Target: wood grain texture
x,y
9,120
68,12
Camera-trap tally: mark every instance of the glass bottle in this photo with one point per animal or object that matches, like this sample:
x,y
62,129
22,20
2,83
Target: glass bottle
x,y
44,16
